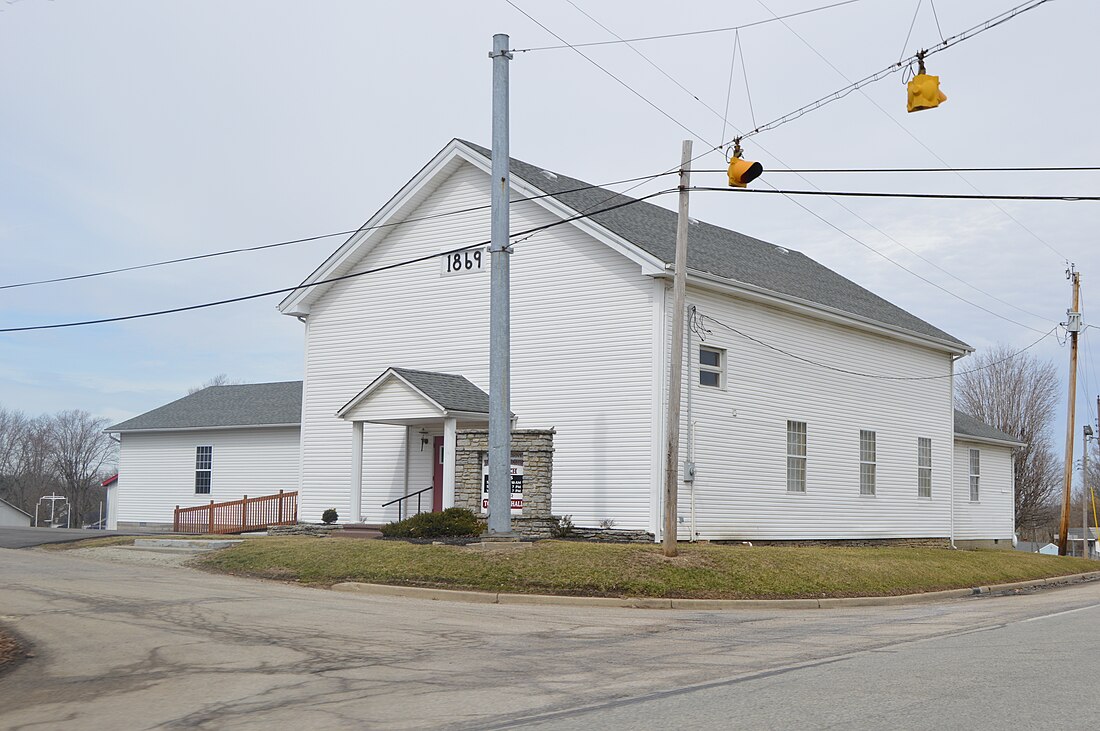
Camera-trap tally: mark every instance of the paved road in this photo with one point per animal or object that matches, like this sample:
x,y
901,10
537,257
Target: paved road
x,y
27,537
142,647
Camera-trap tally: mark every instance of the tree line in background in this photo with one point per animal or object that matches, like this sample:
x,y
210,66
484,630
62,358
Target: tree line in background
x,y
1019,394
66,453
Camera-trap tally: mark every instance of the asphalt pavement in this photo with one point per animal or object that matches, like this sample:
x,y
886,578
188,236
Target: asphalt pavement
x,y
146,646
30,537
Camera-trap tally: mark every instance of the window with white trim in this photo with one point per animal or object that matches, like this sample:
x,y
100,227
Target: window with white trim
x,y
712,367
867,462
204,462
924,467
796,456
975,474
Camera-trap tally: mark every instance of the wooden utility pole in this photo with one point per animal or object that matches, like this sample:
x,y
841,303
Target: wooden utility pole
x,y
1073,326
676,359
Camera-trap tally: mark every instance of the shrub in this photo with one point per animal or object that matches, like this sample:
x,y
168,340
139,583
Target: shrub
x,y
451,522
330,516
564,528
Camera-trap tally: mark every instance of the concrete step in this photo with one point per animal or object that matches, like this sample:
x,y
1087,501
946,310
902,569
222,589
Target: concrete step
x,y
181,545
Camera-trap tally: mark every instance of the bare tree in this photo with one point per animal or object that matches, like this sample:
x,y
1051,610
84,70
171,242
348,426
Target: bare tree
x,y
1018,395
219,380
80,452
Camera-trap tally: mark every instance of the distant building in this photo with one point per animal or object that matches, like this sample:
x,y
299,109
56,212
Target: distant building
x,y
13,517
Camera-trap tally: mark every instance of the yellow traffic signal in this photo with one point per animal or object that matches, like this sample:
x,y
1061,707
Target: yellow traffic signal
x,y
924,90
742,172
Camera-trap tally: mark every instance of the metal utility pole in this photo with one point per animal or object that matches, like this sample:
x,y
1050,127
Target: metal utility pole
x,y
1073,327
676,359
500,412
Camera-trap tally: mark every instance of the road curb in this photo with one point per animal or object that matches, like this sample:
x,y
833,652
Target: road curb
x,y
486,597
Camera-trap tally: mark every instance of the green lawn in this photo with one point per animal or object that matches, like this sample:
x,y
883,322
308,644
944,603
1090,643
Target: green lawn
x,y
576,568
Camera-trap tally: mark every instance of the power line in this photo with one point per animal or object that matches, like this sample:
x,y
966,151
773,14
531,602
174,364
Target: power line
x,y
997,20
839,203
287,290
893,261
625,85
289,242
934,196
846,371
678,35
1045,169
894,67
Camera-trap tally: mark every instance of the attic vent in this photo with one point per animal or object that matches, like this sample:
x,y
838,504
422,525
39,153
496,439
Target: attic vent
x,y
781,250
549,175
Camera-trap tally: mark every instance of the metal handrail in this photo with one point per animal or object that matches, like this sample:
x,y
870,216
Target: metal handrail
x,y
400,508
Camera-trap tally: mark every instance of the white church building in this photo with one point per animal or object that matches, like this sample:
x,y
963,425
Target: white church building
x,y
813,409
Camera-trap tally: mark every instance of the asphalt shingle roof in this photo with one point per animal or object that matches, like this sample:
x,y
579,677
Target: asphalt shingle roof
x,y
252,404
969,426
724,253
452,392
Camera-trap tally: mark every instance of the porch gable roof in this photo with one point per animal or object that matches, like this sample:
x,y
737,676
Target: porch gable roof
x,y
447,392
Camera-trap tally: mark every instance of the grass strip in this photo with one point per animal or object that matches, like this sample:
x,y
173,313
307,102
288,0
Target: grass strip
x,y
588,569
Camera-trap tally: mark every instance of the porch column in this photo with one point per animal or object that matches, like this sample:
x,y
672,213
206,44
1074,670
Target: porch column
x,y
356,472
450,444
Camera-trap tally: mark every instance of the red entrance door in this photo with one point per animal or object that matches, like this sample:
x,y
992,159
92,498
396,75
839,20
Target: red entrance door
x,y
437,476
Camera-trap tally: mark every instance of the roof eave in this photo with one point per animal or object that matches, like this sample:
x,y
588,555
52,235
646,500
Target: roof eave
x,y
112,430
960,436
832,314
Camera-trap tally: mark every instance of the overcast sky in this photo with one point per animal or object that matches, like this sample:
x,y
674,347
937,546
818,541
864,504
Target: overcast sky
x,y
139,131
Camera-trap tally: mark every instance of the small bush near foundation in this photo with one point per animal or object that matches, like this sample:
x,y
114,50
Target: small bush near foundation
x,y
329,516
564,528
450,523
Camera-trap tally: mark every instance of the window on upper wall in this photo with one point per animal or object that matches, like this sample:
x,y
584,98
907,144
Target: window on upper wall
x,y
712,367
796,456
975,474
924,467
867,462
204,462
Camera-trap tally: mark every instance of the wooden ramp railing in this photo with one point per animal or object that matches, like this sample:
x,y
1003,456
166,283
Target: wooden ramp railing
x,y
238,516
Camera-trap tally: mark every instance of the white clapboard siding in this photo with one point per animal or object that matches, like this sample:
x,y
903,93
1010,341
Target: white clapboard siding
x,y
993,515
157,470
740,490
581,356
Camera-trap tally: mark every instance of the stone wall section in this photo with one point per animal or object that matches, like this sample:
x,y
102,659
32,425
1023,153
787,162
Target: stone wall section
x,y
537,449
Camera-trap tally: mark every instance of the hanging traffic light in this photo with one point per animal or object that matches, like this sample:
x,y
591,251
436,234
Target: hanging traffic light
x,y
742,172
924,90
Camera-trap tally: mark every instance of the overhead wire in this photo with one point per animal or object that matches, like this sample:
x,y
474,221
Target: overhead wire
x,y
878,194
861,374
893,68
945,44
306,239
850,211
1013,169
683,34
330,280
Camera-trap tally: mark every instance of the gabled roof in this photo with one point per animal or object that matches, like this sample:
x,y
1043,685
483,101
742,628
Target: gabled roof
x,y
968,427
448,391
18,510
252,404
725,255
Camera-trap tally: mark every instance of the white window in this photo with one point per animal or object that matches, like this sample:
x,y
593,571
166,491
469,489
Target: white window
x,y
867,462
712,367
796,456
924,467
975,474
204,461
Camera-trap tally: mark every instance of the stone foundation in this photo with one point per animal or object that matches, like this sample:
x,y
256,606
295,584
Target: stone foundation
x,y
852,543
302,529
610,535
